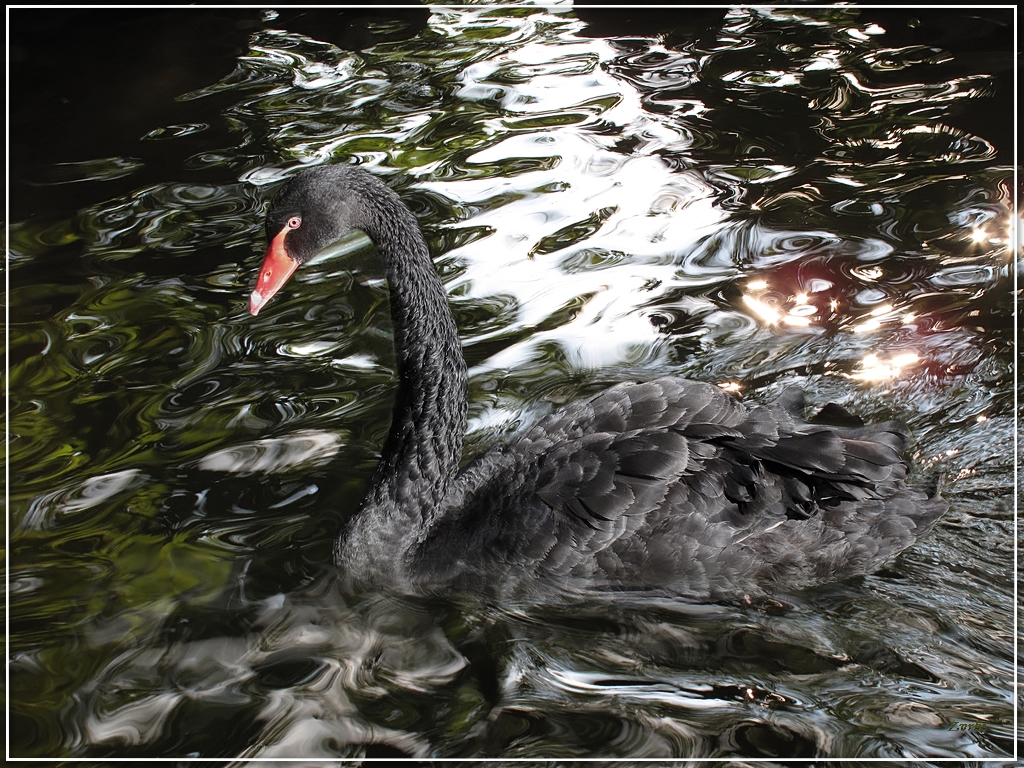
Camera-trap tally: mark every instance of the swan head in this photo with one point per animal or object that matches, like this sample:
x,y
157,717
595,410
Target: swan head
x,y
313,210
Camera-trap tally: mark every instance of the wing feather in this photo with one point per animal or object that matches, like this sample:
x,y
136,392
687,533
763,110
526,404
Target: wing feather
x,y
675,483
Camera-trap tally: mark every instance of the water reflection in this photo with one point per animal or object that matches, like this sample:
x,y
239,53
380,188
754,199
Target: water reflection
x,y
274,455
766,197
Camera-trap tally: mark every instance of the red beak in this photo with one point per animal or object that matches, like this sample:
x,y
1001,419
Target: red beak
x,y
277,267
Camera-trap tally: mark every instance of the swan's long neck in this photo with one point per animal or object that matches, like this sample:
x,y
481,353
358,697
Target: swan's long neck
x,y
423,448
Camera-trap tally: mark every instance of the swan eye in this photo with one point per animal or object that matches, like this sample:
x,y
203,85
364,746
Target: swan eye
x,y
294,222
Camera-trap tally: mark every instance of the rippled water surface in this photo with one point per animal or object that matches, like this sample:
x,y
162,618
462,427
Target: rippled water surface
x,y
753,198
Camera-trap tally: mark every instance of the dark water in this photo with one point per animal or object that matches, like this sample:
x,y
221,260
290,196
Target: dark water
x,y
754,198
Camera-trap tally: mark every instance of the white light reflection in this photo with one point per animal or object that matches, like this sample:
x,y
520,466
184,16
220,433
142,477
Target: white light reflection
x,y
807,307
876,369
868,325
871,274
273,455
762,310
795,312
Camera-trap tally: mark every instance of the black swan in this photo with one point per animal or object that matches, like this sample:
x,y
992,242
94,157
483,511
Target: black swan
x,y
670,485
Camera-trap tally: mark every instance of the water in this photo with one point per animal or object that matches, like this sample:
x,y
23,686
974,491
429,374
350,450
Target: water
x,y
754,198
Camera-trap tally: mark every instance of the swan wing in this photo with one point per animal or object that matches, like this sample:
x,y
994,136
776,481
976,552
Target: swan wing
x,y
677,484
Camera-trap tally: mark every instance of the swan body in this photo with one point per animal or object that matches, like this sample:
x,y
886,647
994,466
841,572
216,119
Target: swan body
x,y
670,484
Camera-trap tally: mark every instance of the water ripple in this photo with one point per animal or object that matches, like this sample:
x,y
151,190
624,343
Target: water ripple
x,y
791,196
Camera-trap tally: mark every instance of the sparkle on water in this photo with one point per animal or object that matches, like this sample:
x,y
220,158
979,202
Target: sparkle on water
x,y
753,197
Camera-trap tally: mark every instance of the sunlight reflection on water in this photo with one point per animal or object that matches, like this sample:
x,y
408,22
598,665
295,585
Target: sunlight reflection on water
x,y
775,199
